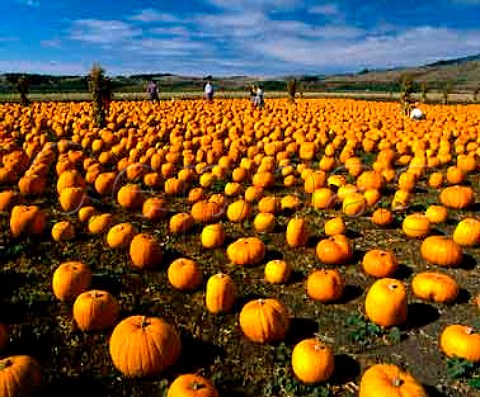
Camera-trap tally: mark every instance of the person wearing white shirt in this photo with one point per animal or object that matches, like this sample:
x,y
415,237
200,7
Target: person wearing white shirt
x,y
209,90
416,113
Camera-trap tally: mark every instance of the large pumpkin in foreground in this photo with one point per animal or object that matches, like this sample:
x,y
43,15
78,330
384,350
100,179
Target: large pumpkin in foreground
x,y
144,346
264,320
191,385
312,361
388,380
246,251
386,302
461,341
20,376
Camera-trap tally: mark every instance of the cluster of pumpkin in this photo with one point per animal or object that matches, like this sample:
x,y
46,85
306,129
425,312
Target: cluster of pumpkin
x,y
147,159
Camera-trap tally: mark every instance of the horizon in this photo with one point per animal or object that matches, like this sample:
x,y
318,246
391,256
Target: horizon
x,y
263,38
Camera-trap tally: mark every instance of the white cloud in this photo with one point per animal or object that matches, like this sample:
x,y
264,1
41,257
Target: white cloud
x,y
270,5
103,32
49,67
325,9
151,15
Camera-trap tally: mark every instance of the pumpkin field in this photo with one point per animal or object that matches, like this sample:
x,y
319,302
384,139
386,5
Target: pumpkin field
x,y
322,247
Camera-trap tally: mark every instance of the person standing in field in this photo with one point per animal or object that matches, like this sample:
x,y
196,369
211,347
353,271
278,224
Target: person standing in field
x,y
209,90
152,91
259,98
416,113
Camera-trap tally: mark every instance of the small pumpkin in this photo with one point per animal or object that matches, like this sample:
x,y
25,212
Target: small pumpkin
x,y
416,225
436,214
380,263
323,198
246,251
143,346
457,197
441,251
207,211
264,222
145,251
181,223
192,385
386,303
325,285
434,286
27,220
467,232
382,217
154,208
277,271
297,232
354,204
382,380
184,274
220,294
120,236
63,231
130,196
213,236
312,361
70,279
98,224
239,211
461,341
95,310
335,250
335,226
264,320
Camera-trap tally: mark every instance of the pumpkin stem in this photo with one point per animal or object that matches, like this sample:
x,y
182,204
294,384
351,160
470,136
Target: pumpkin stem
x,y
197,386
144,322
469,331
397,382
5,364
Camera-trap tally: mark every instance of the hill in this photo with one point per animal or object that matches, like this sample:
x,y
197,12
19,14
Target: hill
x,y
462,74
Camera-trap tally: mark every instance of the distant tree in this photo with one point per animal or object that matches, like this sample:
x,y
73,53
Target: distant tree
x,y
406,93
23,86
100,87
292,89
424,90
446,91
476,91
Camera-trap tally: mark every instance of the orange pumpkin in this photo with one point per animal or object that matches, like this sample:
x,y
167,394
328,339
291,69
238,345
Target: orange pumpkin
x,y
145,251
434,286
184,274
460,341
386,303
379,263
246,251
325,285
312,361
441,251
70,279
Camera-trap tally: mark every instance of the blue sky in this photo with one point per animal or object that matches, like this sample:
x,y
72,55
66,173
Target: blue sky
x,y
228,37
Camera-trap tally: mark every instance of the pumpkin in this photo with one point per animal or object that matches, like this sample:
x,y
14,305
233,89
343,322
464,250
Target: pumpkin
x,y
196,194
297,232
467,232
105,183
455,176
416,225
323,198
269,204
181,223
253,194
401,200
239,211
70,279
20,376
435,180
192,385
457,197
312,361
70,178
28,220
220,294
8,199
441,251
120,235
130,197
184,274
290,202
434,286
98,224
436,214
335,226
213,236
382,380
264,320
264,222
379,263
32,185
154,208
85,213
325,285
145,251
386,303
335,250
144,346
246,251
460,341
206,211
63,231
354,204
382,217
95,310
277,271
